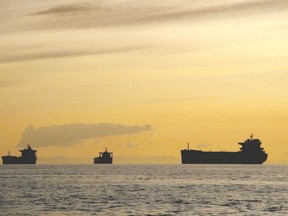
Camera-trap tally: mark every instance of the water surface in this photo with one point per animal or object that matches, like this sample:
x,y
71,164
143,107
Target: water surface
x,y
144,190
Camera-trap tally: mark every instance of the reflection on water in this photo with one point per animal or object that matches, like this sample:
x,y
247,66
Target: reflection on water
x,y
144,189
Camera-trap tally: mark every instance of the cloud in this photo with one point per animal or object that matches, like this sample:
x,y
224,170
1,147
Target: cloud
x,y
231,9
201,146
133,12
131,145
66,53
9,83
4,84
70,8
70,134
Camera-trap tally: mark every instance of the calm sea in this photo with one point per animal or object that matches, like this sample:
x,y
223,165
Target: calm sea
x,y
144,190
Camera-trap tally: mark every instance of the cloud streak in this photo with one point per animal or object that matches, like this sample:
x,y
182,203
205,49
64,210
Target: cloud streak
x,y
4,84
92,15
65,54
231,9
70,134
62,9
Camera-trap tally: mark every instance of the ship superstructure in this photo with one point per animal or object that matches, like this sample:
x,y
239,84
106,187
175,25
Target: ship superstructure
x,y
28,156
104,158
250,153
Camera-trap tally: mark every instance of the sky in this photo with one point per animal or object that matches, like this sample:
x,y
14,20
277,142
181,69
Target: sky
x,y
142,78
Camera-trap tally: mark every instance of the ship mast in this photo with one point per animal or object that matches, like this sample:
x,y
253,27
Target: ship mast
x,y
251,136
188,146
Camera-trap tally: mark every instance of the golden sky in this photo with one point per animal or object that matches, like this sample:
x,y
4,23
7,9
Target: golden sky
x,y
143,77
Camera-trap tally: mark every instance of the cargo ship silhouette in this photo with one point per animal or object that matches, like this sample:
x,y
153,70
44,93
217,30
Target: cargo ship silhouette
x,y
104,158
250,153
28,157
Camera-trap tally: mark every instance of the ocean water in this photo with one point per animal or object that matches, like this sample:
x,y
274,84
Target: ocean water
x,y
144,190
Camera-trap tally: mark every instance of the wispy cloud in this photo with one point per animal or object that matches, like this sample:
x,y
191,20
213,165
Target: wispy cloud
x,y
62,9
129,145
42,54
131,12
231,9
69,134
4,84
201,146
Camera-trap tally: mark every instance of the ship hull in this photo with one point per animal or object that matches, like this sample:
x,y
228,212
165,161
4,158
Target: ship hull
x,y
16,160
98,160
202,157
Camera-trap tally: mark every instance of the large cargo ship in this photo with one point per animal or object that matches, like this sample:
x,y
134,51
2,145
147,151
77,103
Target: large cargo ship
x,y
28,157
104,158
250,153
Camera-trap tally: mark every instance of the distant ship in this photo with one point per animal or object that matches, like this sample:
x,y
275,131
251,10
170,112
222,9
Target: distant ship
x,y
104,157
28,157
250,153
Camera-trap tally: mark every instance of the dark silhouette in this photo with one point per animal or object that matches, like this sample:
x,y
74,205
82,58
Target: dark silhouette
x,y
104,157
28,157
250,153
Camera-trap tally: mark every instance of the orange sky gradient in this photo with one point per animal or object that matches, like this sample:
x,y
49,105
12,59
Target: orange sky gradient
x,y
162,73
